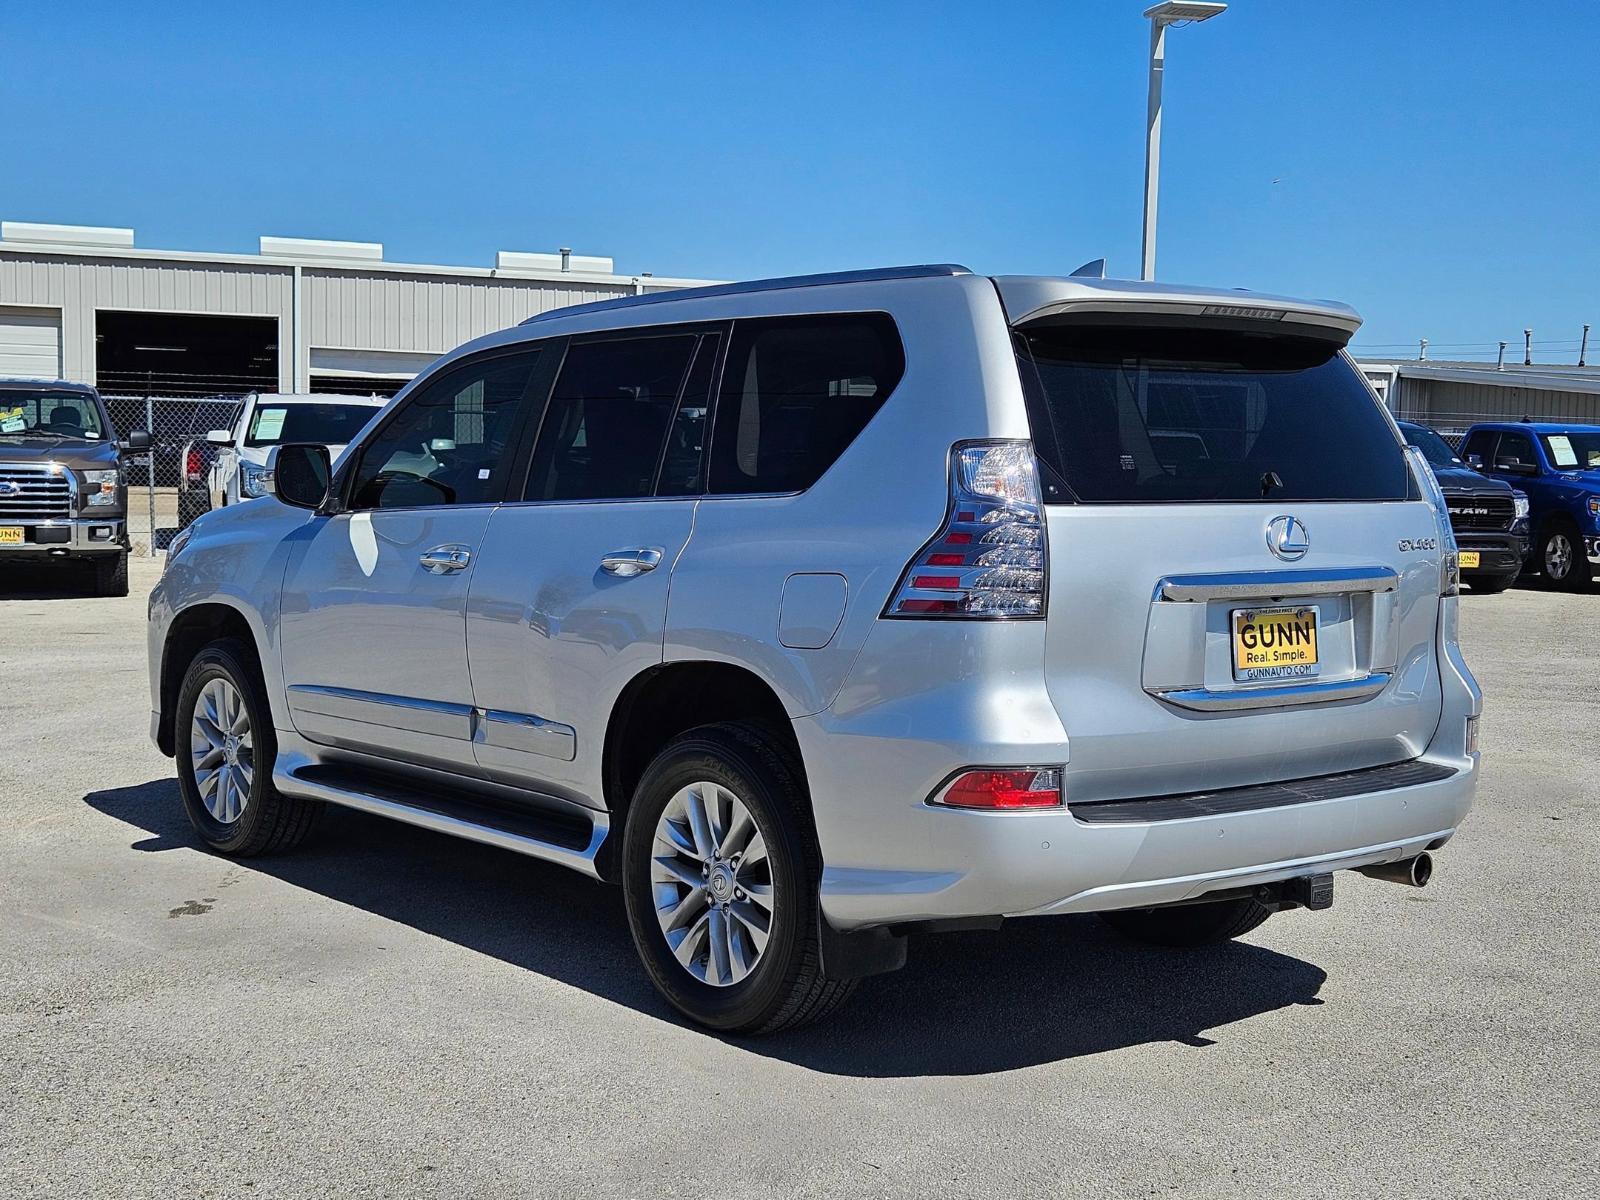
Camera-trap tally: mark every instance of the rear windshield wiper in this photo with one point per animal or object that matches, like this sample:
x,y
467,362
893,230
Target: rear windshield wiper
x,y
1270,483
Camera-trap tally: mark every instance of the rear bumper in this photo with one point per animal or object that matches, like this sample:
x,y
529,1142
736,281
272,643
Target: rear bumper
x,y
1038,863
1499,554
891,858
74,537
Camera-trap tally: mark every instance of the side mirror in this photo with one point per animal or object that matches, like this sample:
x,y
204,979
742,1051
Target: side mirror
x,y
1475,461
299,474
220,437
138,439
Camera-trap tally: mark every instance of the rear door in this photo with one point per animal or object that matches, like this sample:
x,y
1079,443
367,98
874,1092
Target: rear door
x,y
569,600
1244,578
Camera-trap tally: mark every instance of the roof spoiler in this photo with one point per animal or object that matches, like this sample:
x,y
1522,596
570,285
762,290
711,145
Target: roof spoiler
x,y
1081,299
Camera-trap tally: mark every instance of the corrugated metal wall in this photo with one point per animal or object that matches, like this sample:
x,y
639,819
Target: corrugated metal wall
x,y
365,310
1451,406
340,308
79,286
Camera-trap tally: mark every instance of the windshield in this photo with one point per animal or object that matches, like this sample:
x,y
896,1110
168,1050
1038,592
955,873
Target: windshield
x,y
1157,414
332,424
49,414
1573,451
1434,448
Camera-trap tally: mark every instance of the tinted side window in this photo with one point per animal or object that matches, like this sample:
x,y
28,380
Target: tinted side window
x,y
795,393
447,443
1480,443
1515,448
603,433
683,461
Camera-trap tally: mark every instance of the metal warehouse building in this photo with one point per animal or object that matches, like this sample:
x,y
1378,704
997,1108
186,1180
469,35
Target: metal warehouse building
x,y
1450,396
84,303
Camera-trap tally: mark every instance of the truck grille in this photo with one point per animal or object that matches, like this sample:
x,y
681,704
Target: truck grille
x,y
33,494
1477,513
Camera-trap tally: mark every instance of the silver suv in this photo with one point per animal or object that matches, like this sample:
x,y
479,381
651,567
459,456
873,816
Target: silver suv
x,y
819,611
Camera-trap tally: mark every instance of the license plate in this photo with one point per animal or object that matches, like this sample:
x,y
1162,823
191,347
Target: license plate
x,y
10,535
1470,559
1274,643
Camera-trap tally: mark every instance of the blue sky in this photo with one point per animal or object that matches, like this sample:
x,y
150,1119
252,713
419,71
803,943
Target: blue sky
x,y
1437,165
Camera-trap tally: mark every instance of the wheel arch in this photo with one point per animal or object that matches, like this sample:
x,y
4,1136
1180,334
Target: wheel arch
x,y
667,700
190,631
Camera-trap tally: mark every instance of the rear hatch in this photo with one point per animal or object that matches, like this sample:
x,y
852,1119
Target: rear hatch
x,y
1244,577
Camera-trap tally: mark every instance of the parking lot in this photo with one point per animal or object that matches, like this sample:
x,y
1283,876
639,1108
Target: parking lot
x,y
389,1012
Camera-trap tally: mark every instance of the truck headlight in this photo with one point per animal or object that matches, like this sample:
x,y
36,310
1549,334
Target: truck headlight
x,y
254,481
1520,499
1594,506
100,487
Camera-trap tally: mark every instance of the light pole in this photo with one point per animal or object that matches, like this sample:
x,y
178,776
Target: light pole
x,y
1171,12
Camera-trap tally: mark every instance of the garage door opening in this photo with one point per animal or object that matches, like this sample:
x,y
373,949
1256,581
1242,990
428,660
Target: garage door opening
x,y
181,354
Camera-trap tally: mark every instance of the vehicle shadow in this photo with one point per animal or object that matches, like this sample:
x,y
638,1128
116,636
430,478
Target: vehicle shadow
x,y
1034,992
44,581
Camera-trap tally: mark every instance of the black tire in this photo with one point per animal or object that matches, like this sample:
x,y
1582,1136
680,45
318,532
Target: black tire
x,y
269,821
111,575
786,987
1491,585
1561,558
1188,925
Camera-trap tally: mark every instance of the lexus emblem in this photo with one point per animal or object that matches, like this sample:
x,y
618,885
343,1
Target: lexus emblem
x,y
10,488
1287,538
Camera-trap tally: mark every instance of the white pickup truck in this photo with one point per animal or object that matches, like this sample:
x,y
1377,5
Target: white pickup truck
x,y
268,420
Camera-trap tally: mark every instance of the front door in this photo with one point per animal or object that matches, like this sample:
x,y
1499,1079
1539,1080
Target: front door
x,y
374,596
569,602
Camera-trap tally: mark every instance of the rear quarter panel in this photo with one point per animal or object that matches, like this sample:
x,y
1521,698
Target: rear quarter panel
x,y
870,512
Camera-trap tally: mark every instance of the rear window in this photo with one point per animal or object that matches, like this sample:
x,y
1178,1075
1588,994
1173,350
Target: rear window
x,y
1163,415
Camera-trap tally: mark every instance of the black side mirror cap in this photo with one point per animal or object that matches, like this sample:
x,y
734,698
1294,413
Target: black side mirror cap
x,y
138,439
300,474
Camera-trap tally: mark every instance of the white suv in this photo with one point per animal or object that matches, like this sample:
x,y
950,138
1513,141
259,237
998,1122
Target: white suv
x,y
817,611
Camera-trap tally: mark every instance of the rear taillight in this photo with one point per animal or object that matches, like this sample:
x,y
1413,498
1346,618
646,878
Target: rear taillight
x,y
989,787
191,465
988,560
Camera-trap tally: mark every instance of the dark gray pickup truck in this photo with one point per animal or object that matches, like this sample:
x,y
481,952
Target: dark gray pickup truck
x,y
63,491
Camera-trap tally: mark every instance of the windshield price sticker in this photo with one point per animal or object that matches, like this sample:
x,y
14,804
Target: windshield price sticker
x,y
269,424
1561,450
12,420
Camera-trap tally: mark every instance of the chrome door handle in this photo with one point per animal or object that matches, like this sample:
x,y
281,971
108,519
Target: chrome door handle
x,y
625,564
445,560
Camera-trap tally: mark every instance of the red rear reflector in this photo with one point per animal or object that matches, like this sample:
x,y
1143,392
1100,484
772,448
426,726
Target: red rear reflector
x,y
947,583
958,539
928,606
1030,787
947,560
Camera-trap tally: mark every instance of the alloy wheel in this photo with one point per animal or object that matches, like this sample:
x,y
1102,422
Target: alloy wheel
x,y
1558,556
712,884
222,750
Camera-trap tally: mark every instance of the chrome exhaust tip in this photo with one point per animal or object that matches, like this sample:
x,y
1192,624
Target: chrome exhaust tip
x,y
1413,872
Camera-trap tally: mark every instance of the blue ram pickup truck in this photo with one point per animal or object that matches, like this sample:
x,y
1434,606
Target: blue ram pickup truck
x,y
1558,466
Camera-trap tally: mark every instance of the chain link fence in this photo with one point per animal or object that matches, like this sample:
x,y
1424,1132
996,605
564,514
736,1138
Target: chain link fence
x,y
167,487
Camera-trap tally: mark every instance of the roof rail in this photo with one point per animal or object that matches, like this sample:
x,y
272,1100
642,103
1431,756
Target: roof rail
x,y
755,285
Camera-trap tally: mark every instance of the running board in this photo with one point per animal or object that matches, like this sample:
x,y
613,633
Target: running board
x,y
570,840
